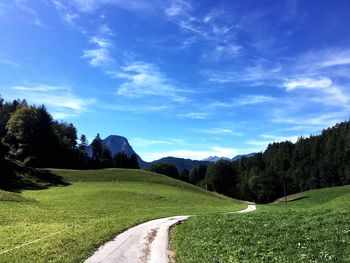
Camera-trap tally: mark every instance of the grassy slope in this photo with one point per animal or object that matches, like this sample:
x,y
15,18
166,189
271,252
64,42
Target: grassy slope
x,y
314,228
74,220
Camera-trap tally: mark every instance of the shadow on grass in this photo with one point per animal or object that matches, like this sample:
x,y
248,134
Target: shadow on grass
x,y
298,198
16,178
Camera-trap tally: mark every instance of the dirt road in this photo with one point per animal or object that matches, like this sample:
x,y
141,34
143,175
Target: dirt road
x,y
144,243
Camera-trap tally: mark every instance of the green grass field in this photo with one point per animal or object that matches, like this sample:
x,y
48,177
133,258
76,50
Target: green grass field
x,y
67,223
315,227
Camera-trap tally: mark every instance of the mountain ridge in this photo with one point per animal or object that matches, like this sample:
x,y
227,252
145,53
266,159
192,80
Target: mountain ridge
x,y
117,143
214,159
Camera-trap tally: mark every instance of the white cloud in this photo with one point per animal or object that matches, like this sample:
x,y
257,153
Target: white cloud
x,y
30,12
134,5
318,120
61,100
178,8
308,83
324,58
179,12
58,5
39,88
253,75
332,94
105,30
241,101
70,18
209,17
143,79
97,57
194,115
217,131
101,42
134,108
185,25
253,100
223,51
194,155
7,62
101,55
142,142
262,144
275,138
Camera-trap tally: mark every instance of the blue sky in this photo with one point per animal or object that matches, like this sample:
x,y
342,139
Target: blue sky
x,y
181,78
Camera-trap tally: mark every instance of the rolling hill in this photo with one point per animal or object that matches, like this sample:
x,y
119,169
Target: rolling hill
x,y
67,223
314,227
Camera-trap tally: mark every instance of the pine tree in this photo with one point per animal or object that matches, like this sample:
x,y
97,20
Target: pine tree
x,y
97,148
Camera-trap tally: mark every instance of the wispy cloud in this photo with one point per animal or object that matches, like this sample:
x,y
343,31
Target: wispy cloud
x,y
256,75
223,131
194,115
185,26
275,138
215,30
7,62
133,5
308,83
253,100
61,100
142,142
316,120
70,18
144,79
134,107
30,12
178,8
100,55
241,101
222,52
333,95
324,58
261,145
58,5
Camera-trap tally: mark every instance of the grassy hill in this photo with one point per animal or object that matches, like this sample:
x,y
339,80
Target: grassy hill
x,y
67,223
314,227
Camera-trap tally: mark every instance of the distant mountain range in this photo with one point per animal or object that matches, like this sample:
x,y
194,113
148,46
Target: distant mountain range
x,y
214,159
237,157
117,143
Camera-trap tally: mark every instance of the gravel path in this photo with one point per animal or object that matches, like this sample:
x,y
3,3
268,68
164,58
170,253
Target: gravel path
x,y
144,243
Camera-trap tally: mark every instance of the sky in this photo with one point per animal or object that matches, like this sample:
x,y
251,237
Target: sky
x,y
181,78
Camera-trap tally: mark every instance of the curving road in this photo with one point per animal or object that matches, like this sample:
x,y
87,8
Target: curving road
x,y
147,242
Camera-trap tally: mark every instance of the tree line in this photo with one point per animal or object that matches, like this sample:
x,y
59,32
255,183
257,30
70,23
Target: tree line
x,y
30,135
283,168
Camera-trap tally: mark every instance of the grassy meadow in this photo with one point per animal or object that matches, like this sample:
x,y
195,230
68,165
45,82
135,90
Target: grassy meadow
x,y
67,223
314,227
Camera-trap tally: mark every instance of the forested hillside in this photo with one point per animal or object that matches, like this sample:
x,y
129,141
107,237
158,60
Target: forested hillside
x,y
285,168
30,135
